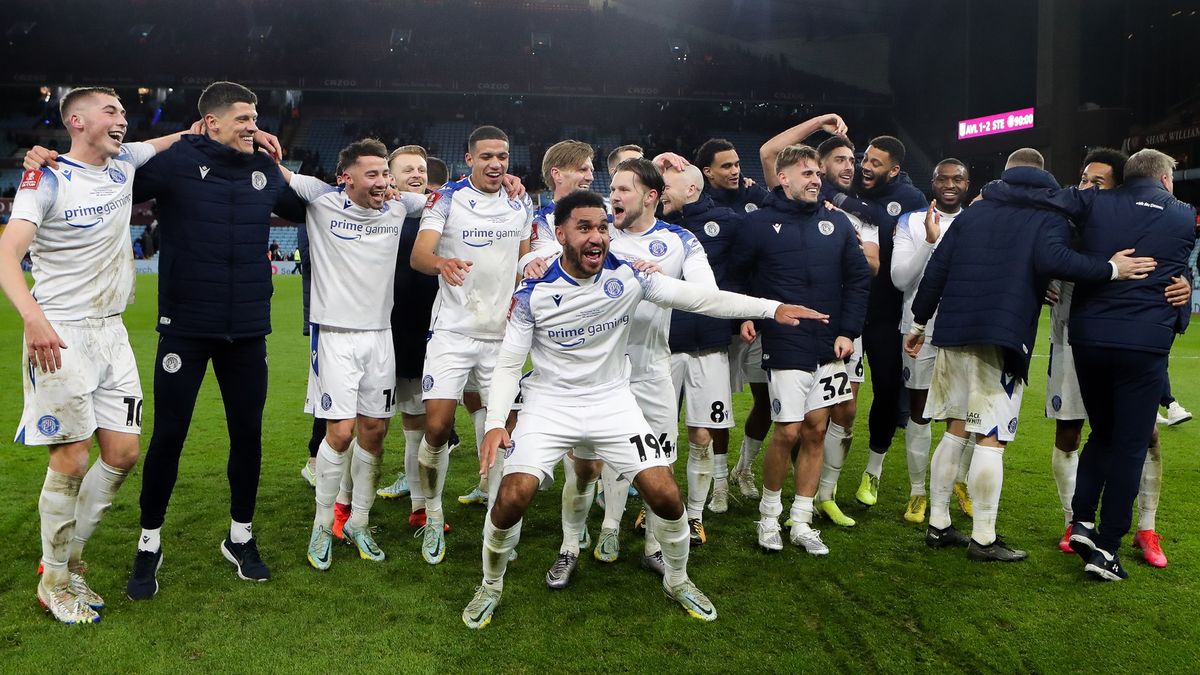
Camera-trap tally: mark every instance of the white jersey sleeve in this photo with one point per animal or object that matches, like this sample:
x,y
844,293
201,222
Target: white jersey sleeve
x,y
869,232
910,251
35,198
676,294
136,154
695,262
309,188
437,210
506,376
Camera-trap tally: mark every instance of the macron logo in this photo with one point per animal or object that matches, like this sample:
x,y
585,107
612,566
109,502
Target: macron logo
x,y
777,226
557,299
1149,205
203,172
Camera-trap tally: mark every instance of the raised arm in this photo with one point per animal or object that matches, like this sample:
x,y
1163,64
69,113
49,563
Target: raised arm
x,y
770,150
911,250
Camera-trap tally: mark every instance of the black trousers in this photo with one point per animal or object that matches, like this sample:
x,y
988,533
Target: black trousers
x,y
1121,389
241,370
882,343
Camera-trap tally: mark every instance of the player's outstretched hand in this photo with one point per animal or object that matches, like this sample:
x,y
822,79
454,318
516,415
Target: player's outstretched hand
x,y
843,347
1179,293
791,315
536,268
748,333
37,157
832,123
271,143
912,344
453,270
492,442
1129,267
513,186
43,344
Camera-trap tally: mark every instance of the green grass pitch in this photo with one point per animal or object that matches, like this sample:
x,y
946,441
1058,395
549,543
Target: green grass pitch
x,y
880,602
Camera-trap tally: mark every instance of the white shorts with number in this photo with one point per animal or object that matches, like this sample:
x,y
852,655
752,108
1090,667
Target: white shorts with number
x,y
96,388
656,399
795,393
613,430
969,383
918,373
408,396
1063,400
854,367
703,380
352,373
455,363
745,363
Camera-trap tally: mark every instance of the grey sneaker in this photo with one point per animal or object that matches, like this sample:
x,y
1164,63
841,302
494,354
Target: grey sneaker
x,y
559,574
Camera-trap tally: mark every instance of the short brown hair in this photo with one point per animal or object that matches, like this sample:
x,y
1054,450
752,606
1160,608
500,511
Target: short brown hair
x,y
407,150
612,156
564,155
646,173
792,154
78,94
221,95
367,147
1025,157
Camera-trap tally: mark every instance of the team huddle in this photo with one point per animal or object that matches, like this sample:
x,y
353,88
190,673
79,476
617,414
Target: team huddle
x,y
683,284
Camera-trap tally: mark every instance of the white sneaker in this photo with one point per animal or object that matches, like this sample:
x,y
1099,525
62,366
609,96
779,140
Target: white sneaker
x,y
769,538
745,482
719,503
810,539
64,606
1176,414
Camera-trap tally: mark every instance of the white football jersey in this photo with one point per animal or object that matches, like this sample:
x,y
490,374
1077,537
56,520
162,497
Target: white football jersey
x,y
868,232
578,329
910,254
679,255
542,238
487,229
353,253
82,253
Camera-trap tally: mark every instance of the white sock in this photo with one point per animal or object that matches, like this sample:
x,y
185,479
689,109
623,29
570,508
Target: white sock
x,y
875,463
616,494
497,545
721,471
917,439
330,467
802,512
365,469
1065,464
240,533
433,464
96,493
412,467
652,546
943,470
346,485
57,508
675,539
770,506
151,540
985,481
1148,491
837,446
750,448
576,502
699,478
479,419
964,462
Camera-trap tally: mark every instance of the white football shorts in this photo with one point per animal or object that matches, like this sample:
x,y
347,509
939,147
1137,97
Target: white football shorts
x,y
795,393
97,387
969,383
703,380
352,373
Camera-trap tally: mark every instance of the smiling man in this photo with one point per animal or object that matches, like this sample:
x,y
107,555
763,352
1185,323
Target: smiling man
x,y
472,236
81,381
576,320
917,236
215,198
